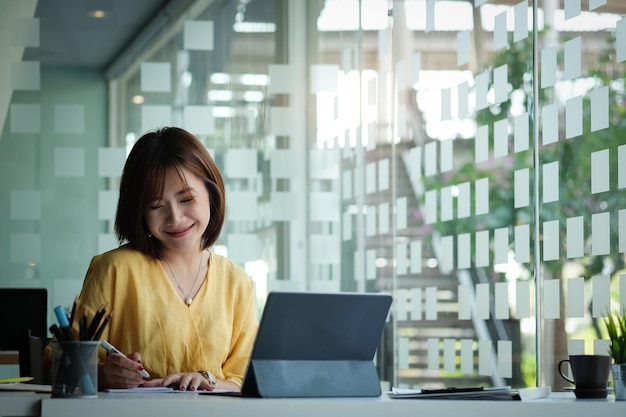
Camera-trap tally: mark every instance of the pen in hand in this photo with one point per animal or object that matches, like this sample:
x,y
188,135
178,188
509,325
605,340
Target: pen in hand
x,y
112,349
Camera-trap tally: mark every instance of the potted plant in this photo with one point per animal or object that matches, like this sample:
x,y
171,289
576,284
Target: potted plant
x,y
616,327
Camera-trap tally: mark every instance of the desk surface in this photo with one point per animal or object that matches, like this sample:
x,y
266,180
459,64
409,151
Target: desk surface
x,y
9,357
190,405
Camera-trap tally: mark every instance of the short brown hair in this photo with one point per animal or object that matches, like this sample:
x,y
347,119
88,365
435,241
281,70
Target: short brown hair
x,y
143,179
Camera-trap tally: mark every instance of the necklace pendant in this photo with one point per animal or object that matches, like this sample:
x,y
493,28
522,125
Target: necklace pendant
x,y
188,301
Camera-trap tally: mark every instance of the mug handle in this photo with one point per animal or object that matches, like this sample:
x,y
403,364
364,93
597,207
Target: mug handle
x,y
565,377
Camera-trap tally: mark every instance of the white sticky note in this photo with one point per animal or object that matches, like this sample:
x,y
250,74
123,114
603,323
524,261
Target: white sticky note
x,y
501,84
520,132
416,303
601,234
575,347
571,8
482,248
522,243
463,99
572,57
431,303
282,121
550,176
282,79
551,299
242,205
106,242
243,248
467,356
573,117
433,354
575,307
501,246
153,116
484,357
575,237
25,205
446,100
551,240
522,299
464,248
520,31
25,248
111,162
156,77
446,261
69,162
383,217
481,144
25,118
25,32
402,257
501,293
449,355
600,181
483,301
383,174
521,185
198,35
621,167
505,361
415,156
324,79
500,34
69,118
282,204
430,205
26,75
622,232
548,66
599,108
463,200
416,256
601,295
371,221
550,124
466,301
403,352
430,159
481,90
199,120
594,4
284,164
463,47
401,213
482,196
620,40
325,249
446,204
107,204
240,163
500,138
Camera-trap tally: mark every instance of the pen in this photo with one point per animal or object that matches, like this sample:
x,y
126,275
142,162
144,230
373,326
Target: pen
x,y
112,349
14,380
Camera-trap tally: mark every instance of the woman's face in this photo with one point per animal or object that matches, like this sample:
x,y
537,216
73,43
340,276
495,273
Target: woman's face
x,y
179,218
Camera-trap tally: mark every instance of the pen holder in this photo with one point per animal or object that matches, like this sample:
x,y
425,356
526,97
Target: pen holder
x,y
74,369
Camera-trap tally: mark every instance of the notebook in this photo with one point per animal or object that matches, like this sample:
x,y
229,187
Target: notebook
x,y
317,345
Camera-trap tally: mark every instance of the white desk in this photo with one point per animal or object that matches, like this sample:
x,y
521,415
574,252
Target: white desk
x,y
21,403
190,405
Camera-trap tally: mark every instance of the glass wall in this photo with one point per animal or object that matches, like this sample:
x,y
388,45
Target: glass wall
x,y
467,157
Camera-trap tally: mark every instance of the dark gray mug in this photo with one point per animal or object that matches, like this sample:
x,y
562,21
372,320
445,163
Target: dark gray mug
x,y
588,371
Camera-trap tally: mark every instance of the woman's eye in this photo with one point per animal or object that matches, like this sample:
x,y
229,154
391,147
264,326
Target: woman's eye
x,y
187,200
156,207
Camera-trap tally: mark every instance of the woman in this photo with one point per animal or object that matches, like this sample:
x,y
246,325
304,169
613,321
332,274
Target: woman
x,y
181,312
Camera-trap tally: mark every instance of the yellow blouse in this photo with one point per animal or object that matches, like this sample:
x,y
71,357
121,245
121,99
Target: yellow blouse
x,y
215,333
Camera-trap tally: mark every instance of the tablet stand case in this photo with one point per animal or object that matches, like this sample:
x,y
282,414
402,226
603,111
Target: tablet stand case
x,y
311,378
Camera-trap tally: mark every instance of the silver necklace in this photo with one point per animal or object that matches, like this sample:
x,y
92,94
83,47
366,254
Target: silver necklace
x,y
188,298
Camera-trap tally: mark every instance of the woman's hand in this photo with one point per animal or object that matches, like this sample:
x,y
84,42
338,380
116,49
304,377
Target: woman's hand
x,y
183,381
119,371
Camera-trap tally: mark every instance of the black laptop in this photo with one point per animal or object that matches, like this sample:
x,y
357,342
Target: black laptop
x,y
24,309
317,345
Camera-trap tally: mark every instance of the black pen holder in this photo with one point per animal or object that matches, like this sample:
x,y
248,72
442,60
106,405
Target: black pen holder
x,y
74,369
